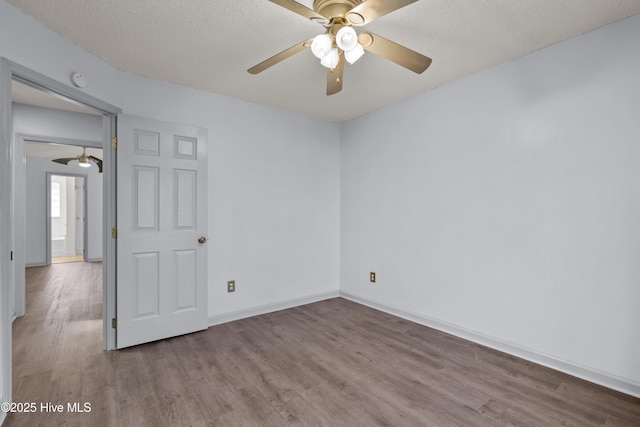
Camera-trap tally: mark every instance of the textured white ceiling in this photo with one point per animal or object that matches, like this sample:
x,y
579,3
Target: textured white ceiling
x,y
209,45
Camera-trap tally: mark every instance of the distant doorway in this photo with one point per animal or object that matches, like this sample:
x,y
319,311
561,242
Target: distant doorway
x,y
63,259
66,218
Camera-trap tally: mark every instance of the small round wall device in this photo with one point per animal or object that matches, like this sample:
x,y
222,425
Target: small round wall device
x,y
78,80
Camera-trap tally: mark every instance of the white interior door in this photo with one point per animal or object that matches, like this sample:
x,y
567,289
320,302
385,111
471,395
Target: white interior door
x,y
162,213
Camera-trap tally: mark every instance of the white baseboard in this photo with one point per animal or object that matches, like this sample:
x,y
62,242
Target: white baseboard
x,y
589,374
36,264
269,308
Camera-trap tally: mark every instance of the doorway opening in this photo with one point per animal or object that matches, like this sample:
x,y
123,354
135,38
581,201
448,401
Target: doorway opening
x,y
60,209
66,218
13,174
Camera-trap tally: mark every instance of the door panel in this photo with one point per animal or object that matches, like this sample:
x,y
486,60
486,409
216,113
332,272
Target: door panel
x,y
162,211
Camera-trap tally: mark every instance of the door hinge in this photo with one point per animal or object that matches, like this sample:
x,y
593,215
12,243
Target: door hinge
x,y
11,255
114,232
114,323
114,142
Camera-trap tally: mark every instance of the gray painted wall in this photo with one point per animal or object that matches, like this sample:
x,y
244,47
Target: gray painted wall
x,y
274,193
35,231
507,203
36,121
274,181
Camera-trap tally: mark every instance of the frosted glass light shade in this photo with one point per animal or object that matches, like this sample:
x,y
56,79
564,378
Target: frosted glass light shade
x,y
346,38
321,45
354,54
84,164
331,60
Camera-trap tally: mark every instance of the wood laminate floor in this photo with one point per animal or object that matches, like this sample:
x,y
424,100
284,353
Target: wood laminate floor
x,y
63,259
332,363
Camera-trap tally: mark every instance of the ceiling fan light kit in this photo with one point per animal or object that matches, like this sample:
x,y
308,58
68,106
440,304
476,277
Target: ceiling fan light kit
x,y
346,41
331,59
354,54
341,42
321,45
346,38
84,160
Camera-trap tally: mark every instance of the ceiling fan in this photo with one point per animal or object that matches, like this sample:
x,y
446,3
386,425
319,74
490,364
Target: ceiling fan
x,y
340,41
83,160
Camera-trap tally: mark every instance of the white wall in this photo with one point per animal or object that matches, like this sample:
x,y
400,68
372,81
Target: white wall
x,y
507,204
274,212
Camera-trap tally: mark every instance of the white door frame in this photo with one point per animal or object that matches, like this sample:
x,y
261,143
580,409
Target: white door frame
x,y
10,71
80,222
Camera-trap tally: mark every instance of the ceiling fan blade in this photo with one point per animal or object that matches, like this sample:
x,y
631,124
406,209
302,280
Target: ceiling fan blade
x,y
98,162
371,10
64,161
334,77
280,57
394,52
301,10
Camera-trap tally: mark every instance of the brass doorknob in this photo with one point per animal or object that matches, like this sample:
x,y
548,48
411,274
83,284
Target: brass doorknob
x,y
202,239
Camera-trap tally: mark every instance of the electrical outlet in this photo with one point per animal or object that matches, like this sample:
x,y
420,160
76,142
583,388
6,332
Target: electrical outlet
x,y
231,286
372,277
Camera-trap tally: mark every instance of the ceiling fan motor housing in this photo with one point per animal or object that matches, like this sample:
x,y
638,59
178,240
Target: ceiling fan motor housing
x,y
334,8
